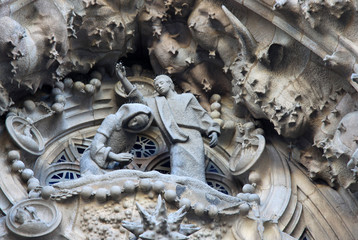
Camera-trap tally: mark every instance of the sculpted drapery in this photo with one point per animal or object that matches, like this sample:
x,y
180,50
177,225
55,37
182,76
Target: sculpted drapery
x,y
181,121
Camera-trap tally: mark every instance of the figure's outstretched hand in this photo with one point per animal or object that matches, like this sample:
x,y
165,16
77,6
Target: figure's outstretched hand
x,y
120,71
123,158
214,139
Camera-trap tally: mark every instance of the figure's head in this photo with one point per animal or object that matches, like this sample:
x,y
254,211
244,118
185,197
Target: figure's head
x,y
134,117
163,84
139,122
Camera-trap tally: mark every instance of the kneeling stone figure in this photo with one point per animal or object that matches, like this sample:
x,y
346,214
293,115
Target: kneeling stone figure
x,y
114,138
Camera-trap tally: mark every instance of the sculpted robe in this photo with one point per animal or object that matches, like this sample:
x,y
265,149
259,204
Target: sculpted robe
x,y
119,138
182,121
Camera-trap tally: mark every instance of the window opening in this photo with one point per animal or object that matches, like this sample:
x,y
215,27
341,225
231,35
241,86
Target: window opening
x,y
212,168
61,158
219,186
61,176
144,147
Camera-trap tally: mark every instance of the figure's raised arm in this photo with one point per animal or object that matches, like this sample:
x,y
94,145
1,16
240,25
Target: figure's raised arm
x,y
121,75
133,94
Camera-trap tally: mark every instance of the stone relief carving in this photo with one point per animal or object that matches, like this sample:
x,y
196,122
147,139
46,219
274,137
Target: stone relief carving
x,y
181,121
35,53
114,138
33,218
159,225
286,67
25,134
249,149
179,192
312,11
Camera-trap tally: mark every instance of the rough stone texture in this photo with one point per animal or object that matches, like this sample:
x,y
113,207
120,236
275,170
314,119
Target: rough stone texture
x,y
278,77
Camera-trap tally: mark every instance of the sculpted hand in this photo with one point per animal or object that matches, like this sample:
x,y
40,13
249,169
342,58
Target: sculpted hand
x,y
124,158
120,71
214,139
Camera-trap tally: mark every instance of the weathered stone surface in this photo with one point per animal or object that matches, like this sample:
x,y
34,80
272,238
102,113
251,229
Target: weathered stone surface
x,y
271,84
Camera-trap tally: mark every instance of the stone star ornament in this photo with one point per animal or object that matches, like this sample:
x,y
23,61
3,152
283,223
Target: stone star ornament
x,y
159,225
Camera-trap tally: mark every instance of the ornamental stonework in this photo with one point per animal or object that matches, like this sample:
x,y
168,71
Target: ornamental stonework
x,y
178,119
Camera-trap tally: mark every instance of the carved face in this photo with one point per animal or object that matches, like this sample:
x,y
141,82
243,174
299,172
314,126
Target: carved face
x,y
140,121
163,85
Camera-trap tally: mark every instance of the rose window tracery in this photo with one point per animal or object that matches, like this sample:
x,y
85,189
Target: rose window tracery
x,y
61,158
62,175
150,153
144,147
218,186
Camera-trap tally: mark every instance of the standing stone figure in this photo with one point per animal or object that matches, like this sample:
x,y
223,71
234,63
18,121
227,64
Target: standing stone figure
x,y
181,120
114,138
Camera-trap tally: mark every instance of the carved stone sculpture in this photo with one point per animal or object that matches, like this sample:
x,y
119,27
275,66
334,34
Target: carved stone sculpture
x,y
33,218
114,138
181,120
25,134
279,77
250,147
159,225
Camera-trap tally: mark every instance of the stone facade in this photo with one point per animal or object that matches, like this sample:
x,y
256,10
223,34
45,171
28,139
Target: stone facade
x,y
280,78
